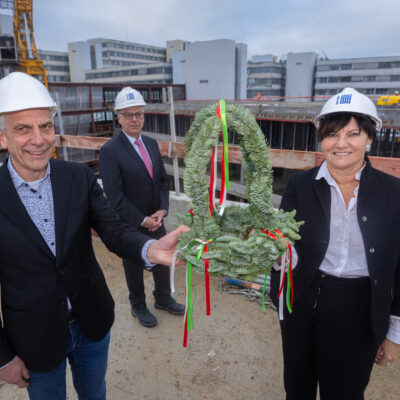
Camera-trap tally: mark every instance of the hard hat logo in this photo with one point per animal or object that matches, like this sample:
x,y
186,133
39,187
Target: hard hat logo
x,y
344,99
130,96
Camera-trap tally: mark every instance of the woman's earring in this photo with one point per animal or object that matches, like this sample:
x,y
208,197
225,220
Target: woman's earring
x,y
367,147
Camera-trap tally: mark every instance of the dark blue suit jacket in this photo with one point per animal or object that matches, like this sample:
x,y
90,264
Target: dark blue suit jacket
x,y
378,212
127,183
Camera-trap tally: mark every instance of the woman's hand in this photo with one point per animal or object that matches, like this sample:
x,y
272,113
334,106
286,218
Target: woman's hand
x,y
388,353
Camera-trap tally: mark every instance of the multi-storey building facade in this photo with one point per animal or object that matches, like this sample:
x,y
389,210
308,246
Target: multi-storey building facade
x,y
265,75
145,73
369,75
56,64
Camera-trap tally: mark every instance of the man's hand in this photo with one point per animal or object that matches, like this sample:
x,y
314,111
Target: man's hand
x,y
15,373
387,353
162,251
159,215
151,224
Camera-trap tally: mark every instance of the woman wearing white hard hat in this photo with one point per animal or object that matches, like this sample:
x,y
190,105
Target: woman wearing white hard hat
x,y
346,311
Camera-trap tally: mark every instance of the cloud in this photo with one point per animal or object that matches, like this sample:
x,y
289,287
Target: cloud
x,y
340,29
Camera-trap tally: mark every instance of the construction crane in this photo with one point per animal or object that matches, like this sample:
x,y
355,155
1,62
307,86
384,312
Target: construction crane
x,y
27,54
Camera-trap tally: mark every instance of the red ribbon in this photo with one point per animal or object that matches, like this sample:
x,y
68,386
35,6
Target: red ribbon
x,y
290,272
185,334
207,279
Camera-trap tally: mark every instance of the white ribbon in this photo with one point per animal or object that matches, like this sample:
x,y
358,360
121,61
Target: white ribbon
x,y
282,276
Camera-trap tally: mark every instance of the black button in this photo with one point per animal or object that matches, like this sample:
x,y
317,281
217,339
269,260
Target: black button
x,y
40,196
26,185
52,243
45,220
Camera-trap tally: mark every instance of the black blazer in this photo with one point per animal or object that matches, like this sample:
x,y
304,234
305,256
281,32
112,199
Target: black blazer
x,y
35,284
127,183
378,213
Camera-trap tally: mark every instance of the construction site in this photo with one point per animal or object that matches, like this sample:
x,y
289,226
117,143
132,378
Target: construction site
x,y
236,352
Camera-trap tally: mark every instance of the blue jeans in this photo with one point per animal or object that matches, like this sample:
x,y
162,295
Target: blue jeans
x,y
88,362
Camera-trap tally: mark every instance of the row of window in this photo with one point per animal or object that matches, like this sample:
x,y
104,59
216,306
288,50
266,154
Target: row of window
x,y
121,63
130,55
264,81
359,65
266,93
257,70
132,72
52,78
367,78
132,47
51,57
59,68
368,91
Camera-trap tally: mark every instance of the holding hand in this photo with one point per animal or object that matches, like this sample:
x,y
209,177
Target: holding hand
x,y
15,373
162,251
387,353
159,215
151,224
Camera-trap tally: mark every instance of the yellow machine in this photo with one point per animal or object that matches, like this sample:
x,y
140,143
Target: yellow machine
x,y
28,57
390,100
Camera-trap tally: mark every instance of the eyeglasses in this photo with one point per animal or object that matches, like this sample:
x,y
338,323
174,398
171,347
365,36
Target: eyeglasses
x,y
129,116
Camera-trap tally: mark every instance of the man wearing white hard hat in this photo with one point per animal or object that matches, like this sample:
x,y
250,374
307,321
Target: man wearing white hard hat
x,y
346,308
136,185
55,301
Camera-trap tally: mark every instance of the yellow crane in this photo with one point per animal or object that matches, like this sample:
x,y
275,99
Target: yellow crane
x,y
27,54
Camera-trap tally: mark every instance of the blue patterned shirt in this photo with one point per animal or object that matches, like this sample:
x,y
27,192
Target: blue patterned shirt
x,y
37,198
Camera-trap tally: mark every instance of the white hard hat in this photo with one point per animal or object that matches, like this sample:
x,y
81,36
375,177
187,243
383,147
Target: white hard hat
x,y
128,97
350,101
19,91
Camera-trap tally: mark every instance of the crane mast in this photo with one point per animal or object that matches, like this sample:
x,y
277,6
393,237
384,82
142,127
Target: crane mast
x,y
27,54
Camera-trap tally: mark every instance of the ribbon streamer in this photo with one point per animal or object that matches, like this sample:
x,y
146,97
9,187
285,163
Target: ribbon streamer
x,y
221,114
213,179
287,255
188,316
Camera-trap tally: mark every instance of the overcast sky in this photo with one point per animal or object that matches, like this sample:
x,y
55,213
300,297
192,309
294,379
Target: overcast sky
x,y
340,28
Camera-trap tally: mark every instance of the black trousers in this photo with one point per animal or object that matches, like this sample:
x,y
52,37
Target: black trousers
x,y
134,277
135,283
328,340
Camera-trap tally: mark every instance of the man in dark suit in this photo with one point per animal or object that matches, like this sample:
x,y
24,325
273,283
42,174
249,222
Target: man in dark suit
x,y
136,185
55,301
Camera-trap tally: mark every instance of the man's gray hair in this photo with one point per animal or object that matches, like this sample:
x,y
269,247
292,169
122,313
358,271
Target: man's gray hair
x,y
2,123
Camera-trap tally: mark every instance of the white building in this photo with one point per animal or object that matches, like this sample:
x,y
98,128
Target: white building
x,y
212,69
56,64
265,75
300,70
96,54
369,75
145,73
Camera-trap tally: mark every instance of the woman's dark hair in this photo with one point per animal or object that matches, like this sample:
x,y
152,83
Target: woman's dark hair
x,y
335,122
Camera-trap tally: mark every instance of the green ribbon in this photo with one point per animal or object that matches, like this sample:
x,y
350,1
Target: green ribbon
x,y
189,303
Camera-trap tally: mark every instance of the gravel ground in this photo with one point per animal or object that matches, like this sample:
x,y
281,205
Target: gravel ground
x,y
233,354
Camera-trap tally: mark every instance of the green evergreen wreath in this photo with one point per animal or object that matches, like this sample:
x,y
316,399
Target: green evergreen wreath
x,y
239,248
